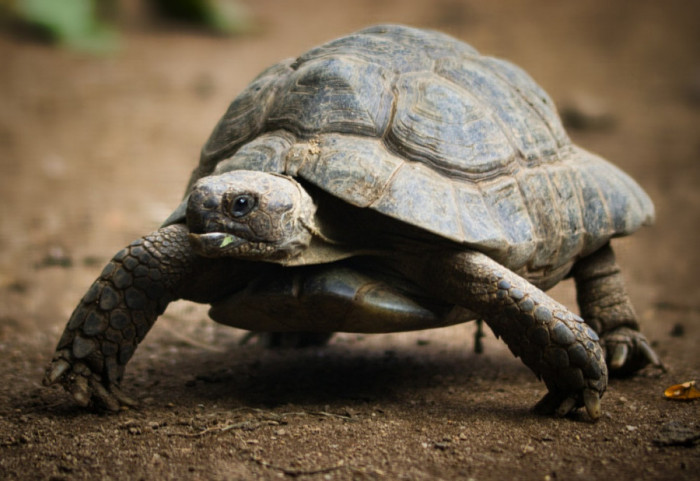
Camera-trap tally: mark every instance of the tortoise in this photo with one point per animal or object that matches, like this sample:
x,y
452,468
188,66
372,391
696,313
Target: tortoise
x,y
390,180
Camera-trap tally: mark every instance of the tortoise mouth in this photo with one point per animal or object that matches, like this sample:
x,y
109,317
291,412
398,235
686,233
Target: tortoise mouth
x,y
215,244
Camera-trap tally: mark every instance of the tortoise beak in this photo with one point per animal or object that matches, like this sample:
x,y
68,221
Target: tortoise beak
x,y
214,244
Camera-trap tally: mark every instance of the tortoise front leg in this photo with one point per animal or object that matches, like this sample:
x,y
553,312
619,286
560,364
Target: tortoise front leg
x,y
606,307
115,314
552,341
120,307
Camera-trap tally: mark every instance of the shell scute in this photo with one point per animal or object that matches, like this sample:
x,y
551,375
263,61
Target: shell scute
x,y
512,108
355,169
333,94
437,123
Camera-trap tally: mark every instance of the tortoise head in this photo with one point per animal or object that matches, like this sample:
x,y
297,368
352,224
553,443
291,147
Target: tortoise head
x,y
250,215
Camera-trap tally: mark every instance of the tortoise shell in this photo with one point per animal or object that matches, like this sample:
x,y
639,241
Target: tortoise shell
x,y
420,127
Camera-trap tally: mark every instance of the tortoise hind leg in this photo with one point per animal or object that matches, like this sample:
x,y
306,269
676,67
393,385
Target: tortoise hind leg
x,y
606,307
552,341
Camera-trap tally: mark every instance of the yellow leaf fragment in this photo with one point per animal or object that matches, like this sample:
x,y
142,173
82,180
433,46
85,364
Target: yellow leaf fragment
x,y
682,392
226,241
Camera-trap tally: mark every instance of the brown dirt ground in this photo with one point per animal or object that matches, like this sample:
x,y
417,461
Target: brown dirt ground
x,y
95,152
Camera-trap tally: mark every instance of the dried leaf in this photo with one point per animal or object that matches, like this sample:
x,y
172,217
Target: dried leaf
x,y
682,392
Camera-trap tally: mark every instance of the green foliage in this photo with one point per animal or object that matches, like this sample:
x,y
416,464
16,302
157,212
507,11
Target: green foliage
x,y
73,23
222,16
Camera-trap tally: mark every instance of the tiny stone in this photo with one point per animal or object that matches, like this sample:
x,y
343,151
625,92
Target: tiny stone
x,y
678,330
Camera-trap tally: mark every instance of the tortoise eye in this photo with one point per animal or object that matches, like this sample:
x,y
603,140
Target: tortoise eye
x,y
242,204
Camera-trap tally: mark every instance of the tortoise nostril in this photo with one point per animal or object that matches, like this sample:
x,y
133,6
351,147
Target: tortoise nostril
x,y
210,202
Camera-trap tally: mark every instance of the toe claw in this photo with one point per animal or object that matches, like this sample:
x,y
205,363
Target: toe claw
x,y
650,355
619,356
566,407
123,399
80,391
101,393
591,400
55,371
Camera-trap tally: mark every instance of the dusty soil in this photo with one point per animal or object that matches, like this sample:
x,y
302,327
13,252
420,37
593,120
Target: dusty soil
x,y
95,152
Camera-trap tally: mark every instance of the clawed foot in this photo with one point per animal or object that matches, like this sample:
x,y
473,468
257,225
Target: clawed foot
x,y
627,351
561,405
84,385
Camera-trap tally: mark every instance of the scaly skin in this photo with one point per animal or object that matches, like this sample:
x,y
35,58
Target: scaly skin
x,y
606,307
123,303
552,341
116,313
